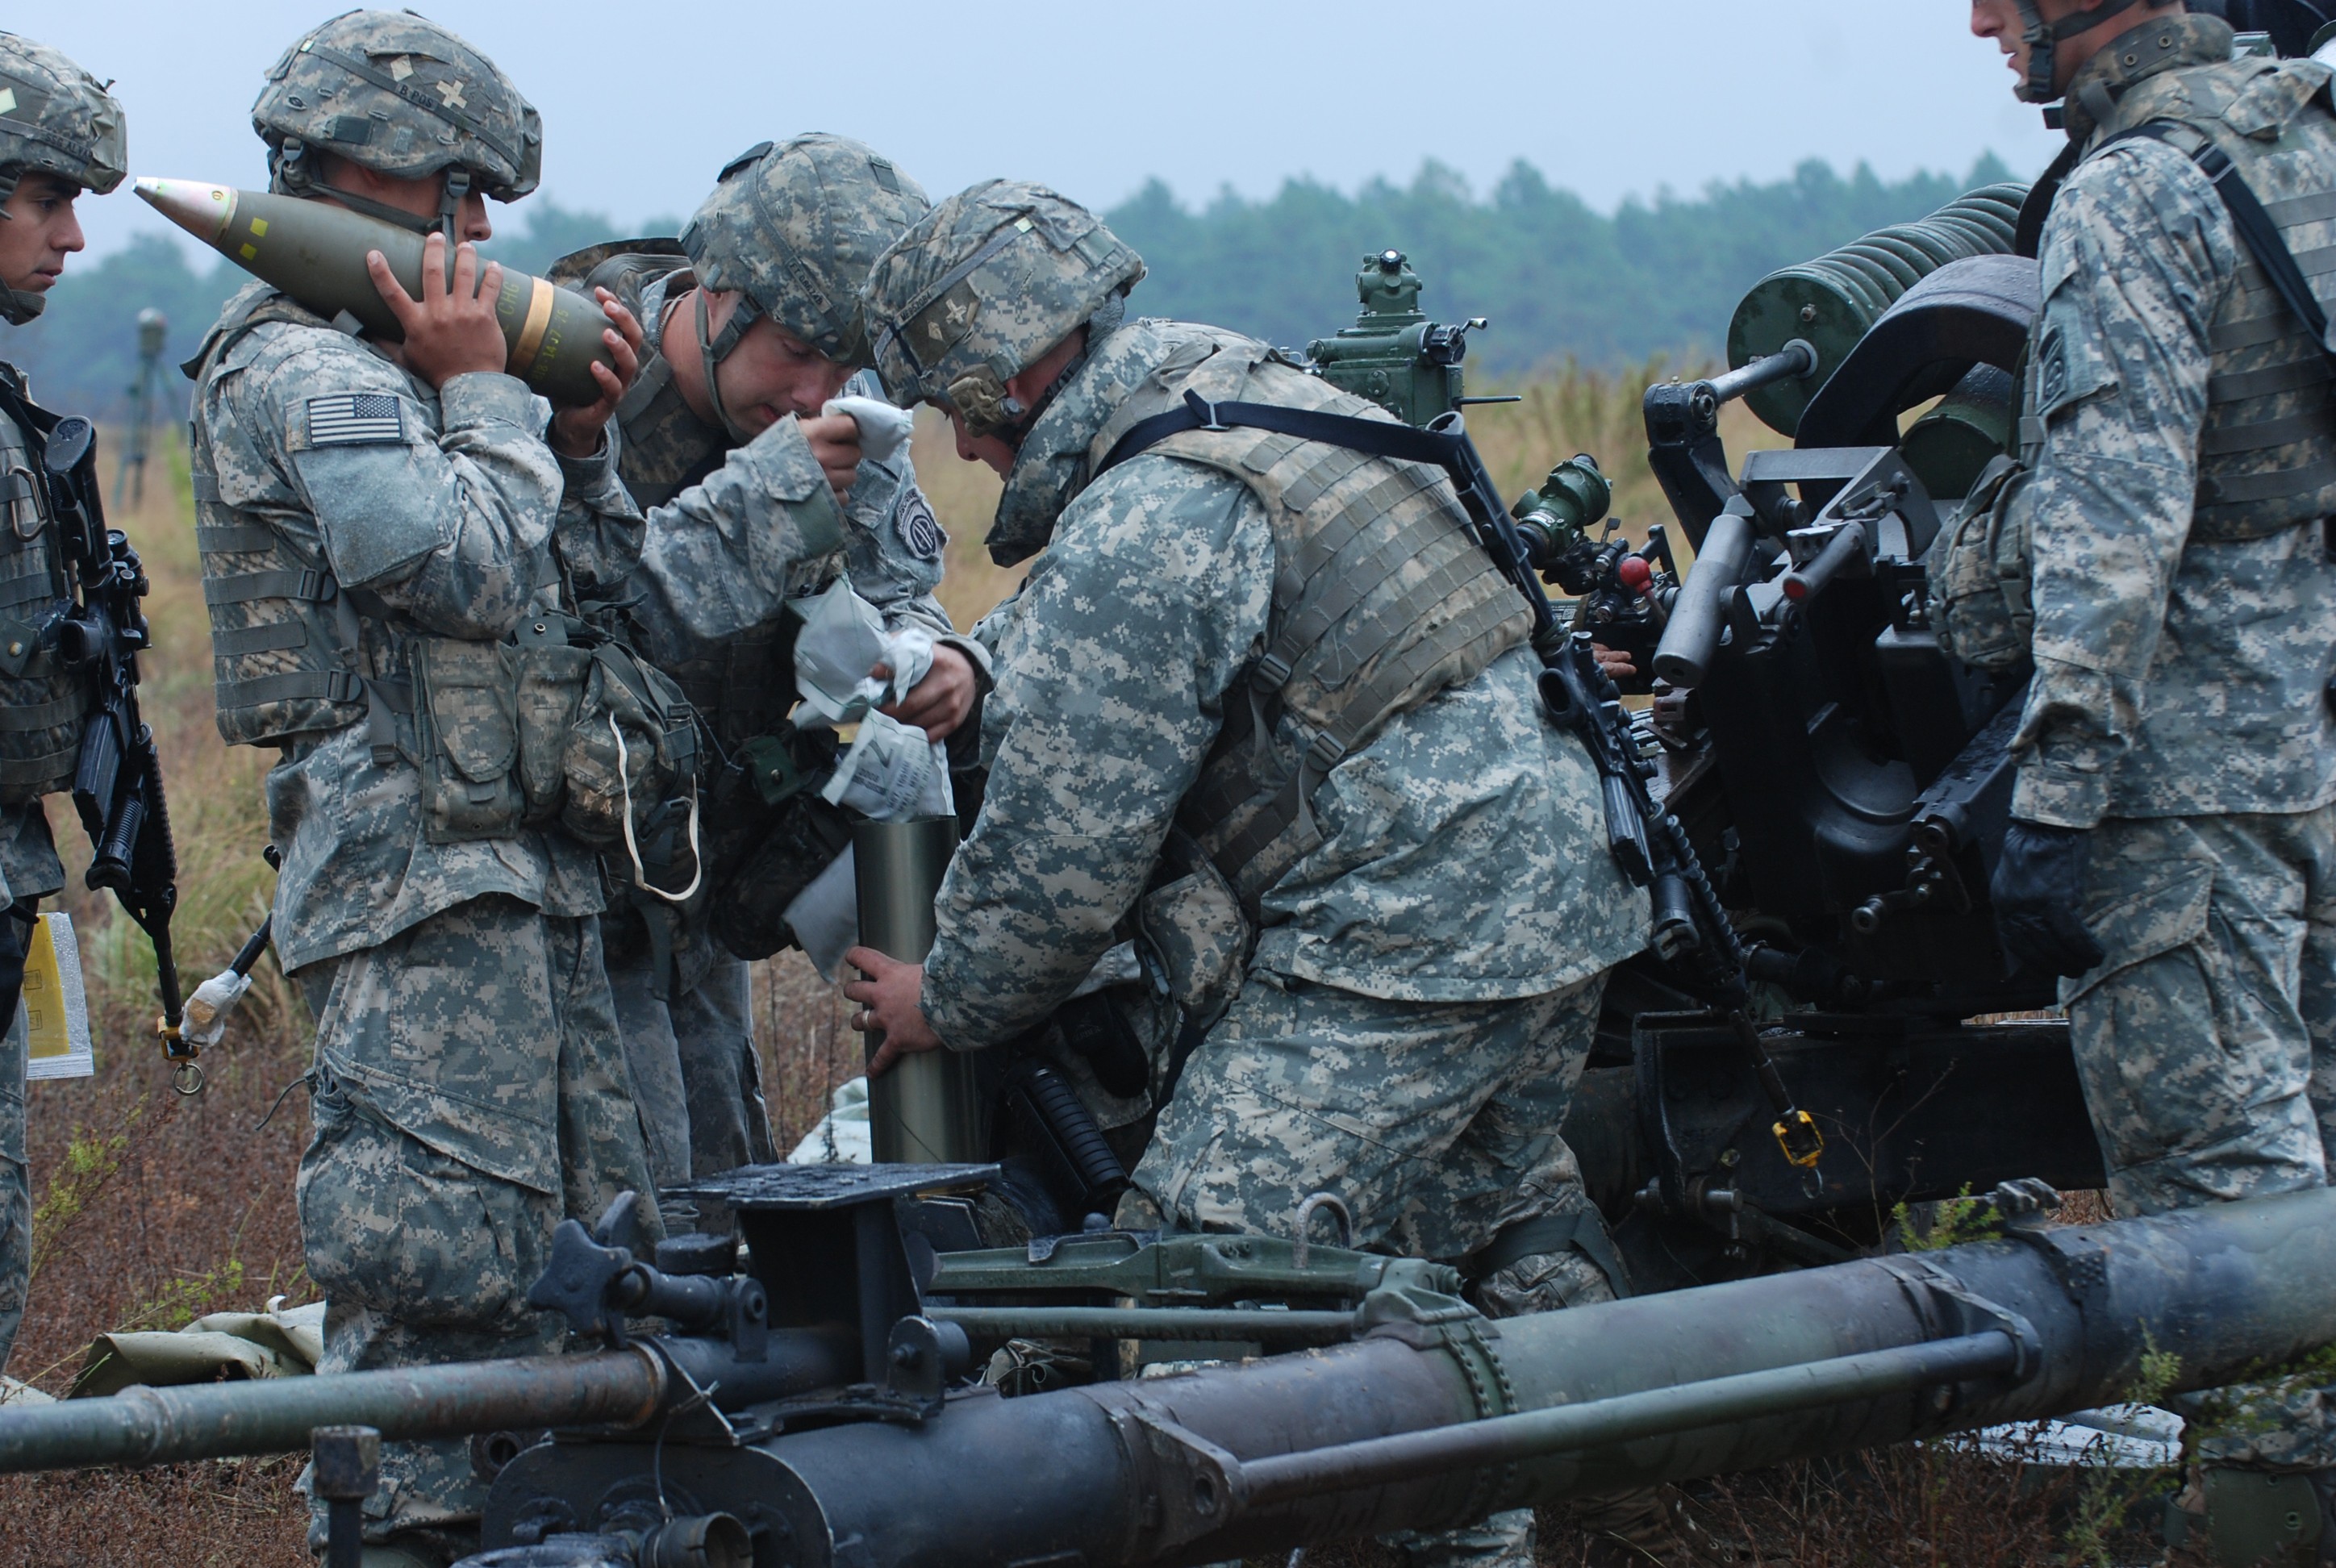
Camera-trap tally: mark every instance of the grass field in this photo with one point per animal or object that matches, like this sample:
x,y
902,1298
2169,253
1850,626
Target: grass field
x,y
154,1209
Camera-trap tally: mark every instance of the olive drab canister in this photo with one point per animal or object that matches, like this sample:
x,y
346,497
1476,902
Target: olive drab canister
x,y
926,1111
396,93
315,252
985,286
58,120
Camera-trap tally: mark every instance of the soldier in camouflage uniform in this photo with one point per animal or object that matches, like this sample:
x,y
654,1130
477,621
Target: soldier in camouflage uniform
x,y
2174,853
375,522
1263,707
61,134
752,323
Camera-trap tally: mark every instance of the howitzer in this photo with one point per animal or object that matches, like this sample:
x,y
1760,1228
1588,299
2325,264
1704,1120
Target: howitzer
x,y
117,786
1818,820
1846,779
817,1411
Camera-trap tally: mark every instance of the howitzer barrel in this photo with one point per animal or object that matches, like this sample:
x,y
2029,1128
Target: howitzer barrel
x,y
1243,1461
1699,615
622,1388
316,252
163,1425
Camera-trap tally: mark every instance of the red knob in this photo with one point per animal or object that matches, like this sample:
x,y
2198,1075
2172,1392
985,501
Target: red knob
x,y
1635,573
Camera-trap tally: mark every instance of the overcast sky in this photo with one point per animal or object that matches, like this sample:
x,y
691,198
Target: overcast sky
x,y
642,103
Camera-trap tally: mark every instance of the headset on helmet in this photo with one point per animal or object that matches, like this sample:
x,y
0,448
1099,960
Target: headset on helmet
x,y
792,227
55,119
985,286
396,93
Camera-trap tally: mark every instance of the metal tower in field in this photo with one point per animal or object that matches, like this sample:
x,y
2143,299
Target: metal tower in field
x,y
144,393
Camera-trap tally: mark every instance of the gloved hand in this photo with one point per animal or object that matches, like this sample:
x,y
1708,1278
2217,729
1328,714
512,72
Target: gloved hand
x,y
2037,889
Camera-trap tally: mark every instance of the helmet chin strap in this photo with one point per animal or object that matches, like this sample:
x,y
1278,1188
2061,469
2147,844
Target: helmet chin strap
x,y
292,175
712,351
2044,40
1100,326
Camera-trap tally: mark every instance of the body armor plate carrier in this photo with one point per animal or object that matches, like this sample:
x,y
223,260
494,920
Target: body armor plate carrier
x,y
41,703
2267,455
1382,597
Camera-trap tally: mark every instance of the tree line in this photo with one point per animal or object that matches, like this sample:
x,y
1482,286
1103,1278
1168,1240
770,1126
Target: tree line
x,y
1558,279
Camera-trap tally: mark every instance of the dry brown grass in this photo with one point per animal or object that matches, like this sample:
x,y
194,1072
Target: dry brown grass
x,y
153,1210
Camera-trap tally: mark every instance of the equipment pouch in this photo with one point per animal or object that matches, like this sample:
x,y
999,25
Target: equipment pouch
x,y
466,705
552,676
632,748
1979,601
1196,929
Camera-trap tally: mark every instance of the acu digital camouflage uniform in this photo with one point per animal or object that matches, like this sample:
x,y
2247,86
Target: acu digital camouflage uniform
x,y
1409,1026
2183,450
792,227
468,1088
55,119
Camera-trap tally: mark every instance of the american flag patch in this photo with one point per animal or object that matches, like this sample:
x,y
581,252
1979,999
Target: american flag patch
x,y
355,417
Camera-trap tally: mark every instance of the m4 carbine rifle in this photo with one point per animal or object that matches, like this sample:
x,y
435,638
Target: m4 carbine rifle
x,y
117,778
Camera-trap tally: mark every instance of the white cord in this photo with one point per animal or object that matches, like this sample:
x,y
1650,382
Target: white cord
x,y
633,850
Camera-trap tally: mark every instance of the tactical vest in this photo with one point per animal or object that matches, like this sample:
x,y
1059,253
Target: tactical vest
x,y
2267,454
41,704
557,722
1382,597
286,648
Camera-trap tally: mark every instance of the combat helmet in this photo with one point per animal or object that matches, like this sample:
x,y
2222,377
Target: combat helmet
x,y
2044,40
985,284
56,117
792,226
403,96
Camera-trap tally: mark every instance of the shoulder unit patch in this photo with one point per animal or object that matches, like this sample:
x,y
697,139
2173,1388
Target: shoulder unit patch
x,y
920,530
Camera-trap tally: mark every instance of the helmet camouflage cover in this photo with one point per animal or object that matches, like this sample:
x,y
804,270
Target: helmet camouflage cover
x,y
795,225
982,287
57,119
402,96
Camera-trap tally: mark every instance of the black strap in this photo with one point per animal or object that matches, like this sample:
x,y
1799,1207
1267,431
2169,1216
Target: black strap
x,y
1378,437
2255,228
1547,1235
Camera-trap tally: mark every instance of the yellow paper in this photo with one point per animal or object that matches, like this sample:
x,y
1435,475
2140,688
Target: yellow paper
x,y
53,1017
